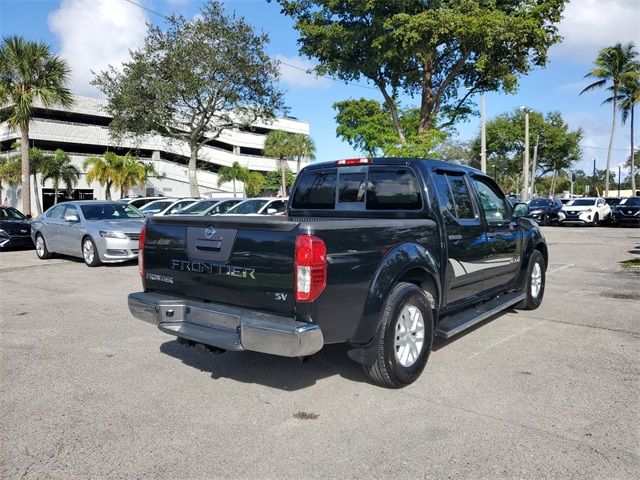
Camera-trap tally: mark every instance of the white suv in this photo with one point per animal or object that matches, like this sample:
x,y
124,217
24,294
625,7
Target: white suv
x,y
590,211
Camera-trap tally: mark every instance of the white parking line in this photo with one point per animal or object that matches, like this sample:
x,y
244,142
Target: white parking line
x,y
560,268
505,339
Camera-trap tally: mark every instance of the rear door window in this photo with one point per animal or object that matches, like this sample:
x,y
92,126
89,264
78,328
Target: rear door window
x,y
56,212
455,195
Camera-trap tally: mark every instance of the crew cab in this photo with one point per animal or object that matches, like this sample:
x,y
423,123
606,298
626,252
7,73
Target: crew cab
x,y
381,254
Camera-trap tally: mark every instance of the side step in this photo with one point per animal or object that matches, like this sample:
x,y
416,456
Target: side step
x,y
453,324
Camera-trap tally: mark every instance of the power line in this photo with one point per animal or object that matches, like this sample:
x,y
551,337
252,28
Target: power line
x,y
133,2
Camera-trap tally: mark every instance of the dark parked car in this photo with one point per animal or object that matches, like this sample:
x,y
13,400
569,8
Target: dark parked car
x,y
544,210
627,212
381,254
15,228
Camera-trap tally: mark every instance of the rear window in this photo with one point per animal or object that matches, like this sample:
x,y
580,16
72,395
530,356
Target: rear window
x,y
316,190
375,188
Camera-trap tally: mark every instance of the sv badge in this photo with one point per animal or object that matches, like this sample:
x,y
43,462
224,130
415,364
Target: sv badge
x,y
282,297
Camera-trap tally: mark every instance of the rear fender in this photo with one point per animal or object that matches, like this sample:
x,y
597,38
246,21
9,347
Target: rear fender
x,y
398,261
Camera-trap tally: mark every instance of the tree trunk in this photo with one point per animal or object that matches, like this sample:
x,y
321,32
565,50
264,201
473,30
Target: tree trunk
x,y
234,187
25,174
107,193
298,165
633,172
283,177
394,112
36,193
613,133
55,192
193,164
426,103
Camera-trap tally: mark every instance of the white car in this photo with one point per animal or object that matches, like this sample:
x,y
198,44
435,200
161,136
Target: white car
x,y
167,206
260,206
590,211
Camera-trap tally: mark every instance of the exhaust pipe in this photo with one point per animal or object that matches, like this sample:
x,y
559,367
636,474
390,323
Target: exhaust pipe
x,y
200,347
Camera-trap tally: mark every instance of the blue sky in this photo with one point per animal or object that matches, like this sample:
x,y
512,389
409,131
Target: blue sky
x,y
94,33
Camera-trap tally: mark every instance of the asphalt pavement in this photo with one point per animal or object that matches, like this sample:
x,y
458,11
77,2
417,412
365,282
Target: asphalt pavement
x,y
87,391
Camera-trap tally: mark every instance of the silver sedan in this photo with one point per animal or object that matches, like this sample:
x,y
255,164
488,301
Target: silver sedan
x,y
97,231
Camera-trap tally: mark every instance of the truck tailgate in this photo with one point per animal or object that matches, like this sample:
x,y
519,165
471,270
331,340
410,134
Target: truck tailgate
x,y
236,260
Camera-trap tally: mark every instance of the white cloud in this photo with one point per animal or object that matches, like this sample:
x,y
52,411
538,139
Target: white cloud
x,y
293,71
94,35
589,25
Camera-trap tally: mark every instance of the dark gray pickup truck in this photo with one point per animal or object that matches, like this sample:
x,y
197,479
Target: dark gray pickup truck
x,y
381,254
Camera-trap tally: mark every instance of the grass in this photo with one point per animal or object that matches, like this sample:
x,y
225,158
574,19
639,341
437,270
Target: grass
x,y
633,263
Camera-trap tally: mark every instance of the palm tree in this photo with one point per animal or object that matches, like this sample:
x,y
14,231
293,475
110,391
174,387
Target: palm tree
x,y
630,96
279,145
613,64
132,172
29,72
303,147
58,167
37,161
9,172
106,170
232,174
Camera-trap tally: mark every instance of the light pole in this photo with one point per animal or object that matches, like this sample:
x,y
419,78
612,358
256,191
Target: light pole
x,y
619,175
525,164
533,167
483,137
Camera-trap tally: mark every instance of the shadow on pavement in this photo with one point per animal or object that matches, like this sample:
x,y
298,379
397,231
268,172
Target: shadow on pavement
x,y
287,374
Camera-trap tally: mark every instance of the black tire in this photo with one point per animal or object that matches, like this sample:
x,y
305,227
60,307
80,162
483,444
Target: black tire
x,y
533,300
596,221
42,251
90,260
545,219
388,370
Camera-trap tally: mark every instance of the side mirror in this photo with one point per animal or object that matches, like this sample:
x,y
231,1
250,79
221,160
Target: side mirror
x,y
520,209
271,211
29,217
72,218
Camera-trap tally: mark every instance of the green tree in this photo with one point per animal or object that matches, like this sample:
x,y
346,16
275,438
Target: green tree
x,y
614,65
10,168
443,52
253,184
302,146
132,171
273,181
192,81
279,144
105,170
558,146
59,169
29,73
235,172
367,126
630,96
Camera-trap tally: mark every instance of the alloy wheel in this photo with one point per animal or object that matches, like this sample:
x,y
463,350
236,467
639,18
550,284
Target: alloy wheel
x,y
409,340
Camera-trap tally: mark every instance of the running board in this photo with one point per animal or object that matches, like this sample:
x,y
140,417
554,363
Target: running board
x,y
454,324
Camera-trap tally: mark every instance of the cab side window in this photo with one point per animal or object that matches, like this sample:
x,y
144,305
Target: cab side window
x,y
56,212
278,205
492,201
455,195
71,210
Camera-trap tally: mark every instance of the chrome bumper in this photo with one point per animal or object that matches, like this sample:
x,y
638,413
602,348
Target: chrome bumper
x,y
226,327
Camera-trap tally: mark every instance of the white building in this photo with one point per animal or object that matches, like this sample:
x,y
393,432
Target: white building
x,y
82,131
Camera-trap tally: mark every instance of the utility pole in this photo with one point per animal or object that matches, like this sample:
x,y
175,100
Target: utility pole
x,y
525,165
593,178
619,175
533,167
483,136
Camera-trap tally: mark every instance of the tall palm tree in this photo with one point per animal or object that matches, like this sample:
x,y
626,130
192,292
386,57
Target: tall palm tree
x,y
612,65
303,147
37,161
132,172
630,96
59,169
29,72
105,170
278,144
232,174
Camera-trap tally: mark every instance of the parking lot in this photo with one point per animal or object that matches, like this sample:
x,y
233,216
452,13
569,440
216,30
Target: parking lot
x,y
86,391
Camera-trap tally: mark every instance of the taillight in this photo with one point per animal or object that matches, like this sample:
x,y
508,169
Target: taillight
x,y
353,161
310,268
143,234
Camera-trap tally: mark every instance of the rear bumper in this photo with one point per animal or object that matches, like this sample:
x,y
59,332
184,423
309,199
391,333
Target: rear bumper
x,y
230,328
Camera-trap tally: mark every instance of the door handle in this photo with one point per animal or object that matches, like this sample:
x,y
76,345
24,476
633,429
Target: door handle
x,y
455,237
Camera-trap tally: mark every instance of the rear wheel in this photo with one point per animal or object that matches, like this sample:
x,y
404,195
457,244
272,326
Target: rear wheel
x,y
545,219
41,248
90,252
405,338
534,286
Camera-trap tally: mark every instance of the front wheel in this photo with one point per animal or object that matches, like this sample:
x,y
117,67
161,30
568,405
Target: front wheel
x,y
405,337
534,285
41,248
596,221
545,219
90,253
